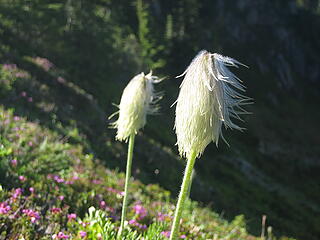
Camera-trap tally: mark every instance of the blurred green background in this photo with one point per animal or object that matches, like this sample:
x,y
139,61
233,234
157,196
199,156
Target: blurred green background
x,y
78,56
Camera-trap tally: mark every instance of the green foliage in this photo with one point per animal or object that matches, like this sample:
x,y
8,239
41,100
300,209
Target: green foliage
x,y
83,197
150,49
36,150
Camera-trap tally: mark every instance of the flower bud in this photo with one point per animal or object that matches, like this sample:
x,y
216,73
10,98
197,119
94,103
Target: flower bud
x,y
138,99
209,97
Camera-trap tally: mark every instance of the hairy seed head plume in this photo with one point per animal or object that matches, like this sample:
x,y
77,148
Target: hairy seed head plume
x,y
209,97
138,99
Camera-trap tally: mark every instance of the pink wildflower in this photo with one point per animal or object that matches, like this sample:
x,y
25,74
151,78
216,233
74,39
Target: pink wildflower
x,y
31,189
69,182
33,215
96,181
61,197
166,233
44,63
72,216
163,217
4,208
143,226
140,210
75,177
60,235
23,94
135,223
132,222
22,75
83,234
17,193
102,204
58,179
9,67
22,178
84,224
183,236
14,162
55,210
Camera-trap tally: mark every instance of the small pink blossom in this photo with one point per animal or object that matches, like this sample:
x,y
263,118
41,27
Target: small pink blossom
x,y
69,182
4,208
60,235
135,223
83,234
55,210
22,75
31,189
22,178
9,67
30,99
183,236
84,224
143,226
75,177
132,222
110,189
110,209
44,63
30,143
17,193
102,204
163,217
58,179
34,216
96,181
72,216
23,94
61,197
16,118
140,210
14,162
166,233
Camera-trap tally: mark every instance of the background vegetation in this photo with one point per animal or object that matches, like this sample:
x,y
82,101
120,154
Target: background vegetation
x,y
64,62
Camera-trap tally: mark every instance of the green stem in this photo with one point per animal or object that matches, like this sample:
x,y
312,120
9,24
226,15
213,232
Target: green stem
x,y
183,194
190,185
128,175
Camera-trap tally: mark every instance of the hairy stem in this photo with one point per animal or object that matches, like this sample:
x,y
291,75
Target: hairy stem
x,y
190,185
183,195
128,175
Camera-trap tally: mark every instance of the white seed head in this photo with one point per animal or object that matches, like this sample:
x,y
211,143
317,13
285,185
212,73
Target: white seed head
x,y
138,99
209,96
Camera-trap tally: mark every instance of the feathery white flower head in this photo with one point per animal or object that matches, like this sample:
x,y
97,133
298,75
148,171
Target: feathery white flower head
x,y
208,98
138,99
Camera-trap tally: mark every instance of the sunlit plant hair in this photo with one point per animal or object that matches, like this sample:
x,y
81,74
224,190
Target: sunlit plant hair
x,y
138,99
210,96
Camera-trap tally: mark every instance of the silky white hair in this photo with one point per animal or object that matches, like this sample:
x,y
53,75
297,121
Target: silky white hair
x,y
138,99
209,97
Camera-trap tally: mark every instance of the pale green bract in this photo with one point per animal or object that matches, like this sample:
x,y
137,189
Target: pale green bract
x,y
209,97
138,99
